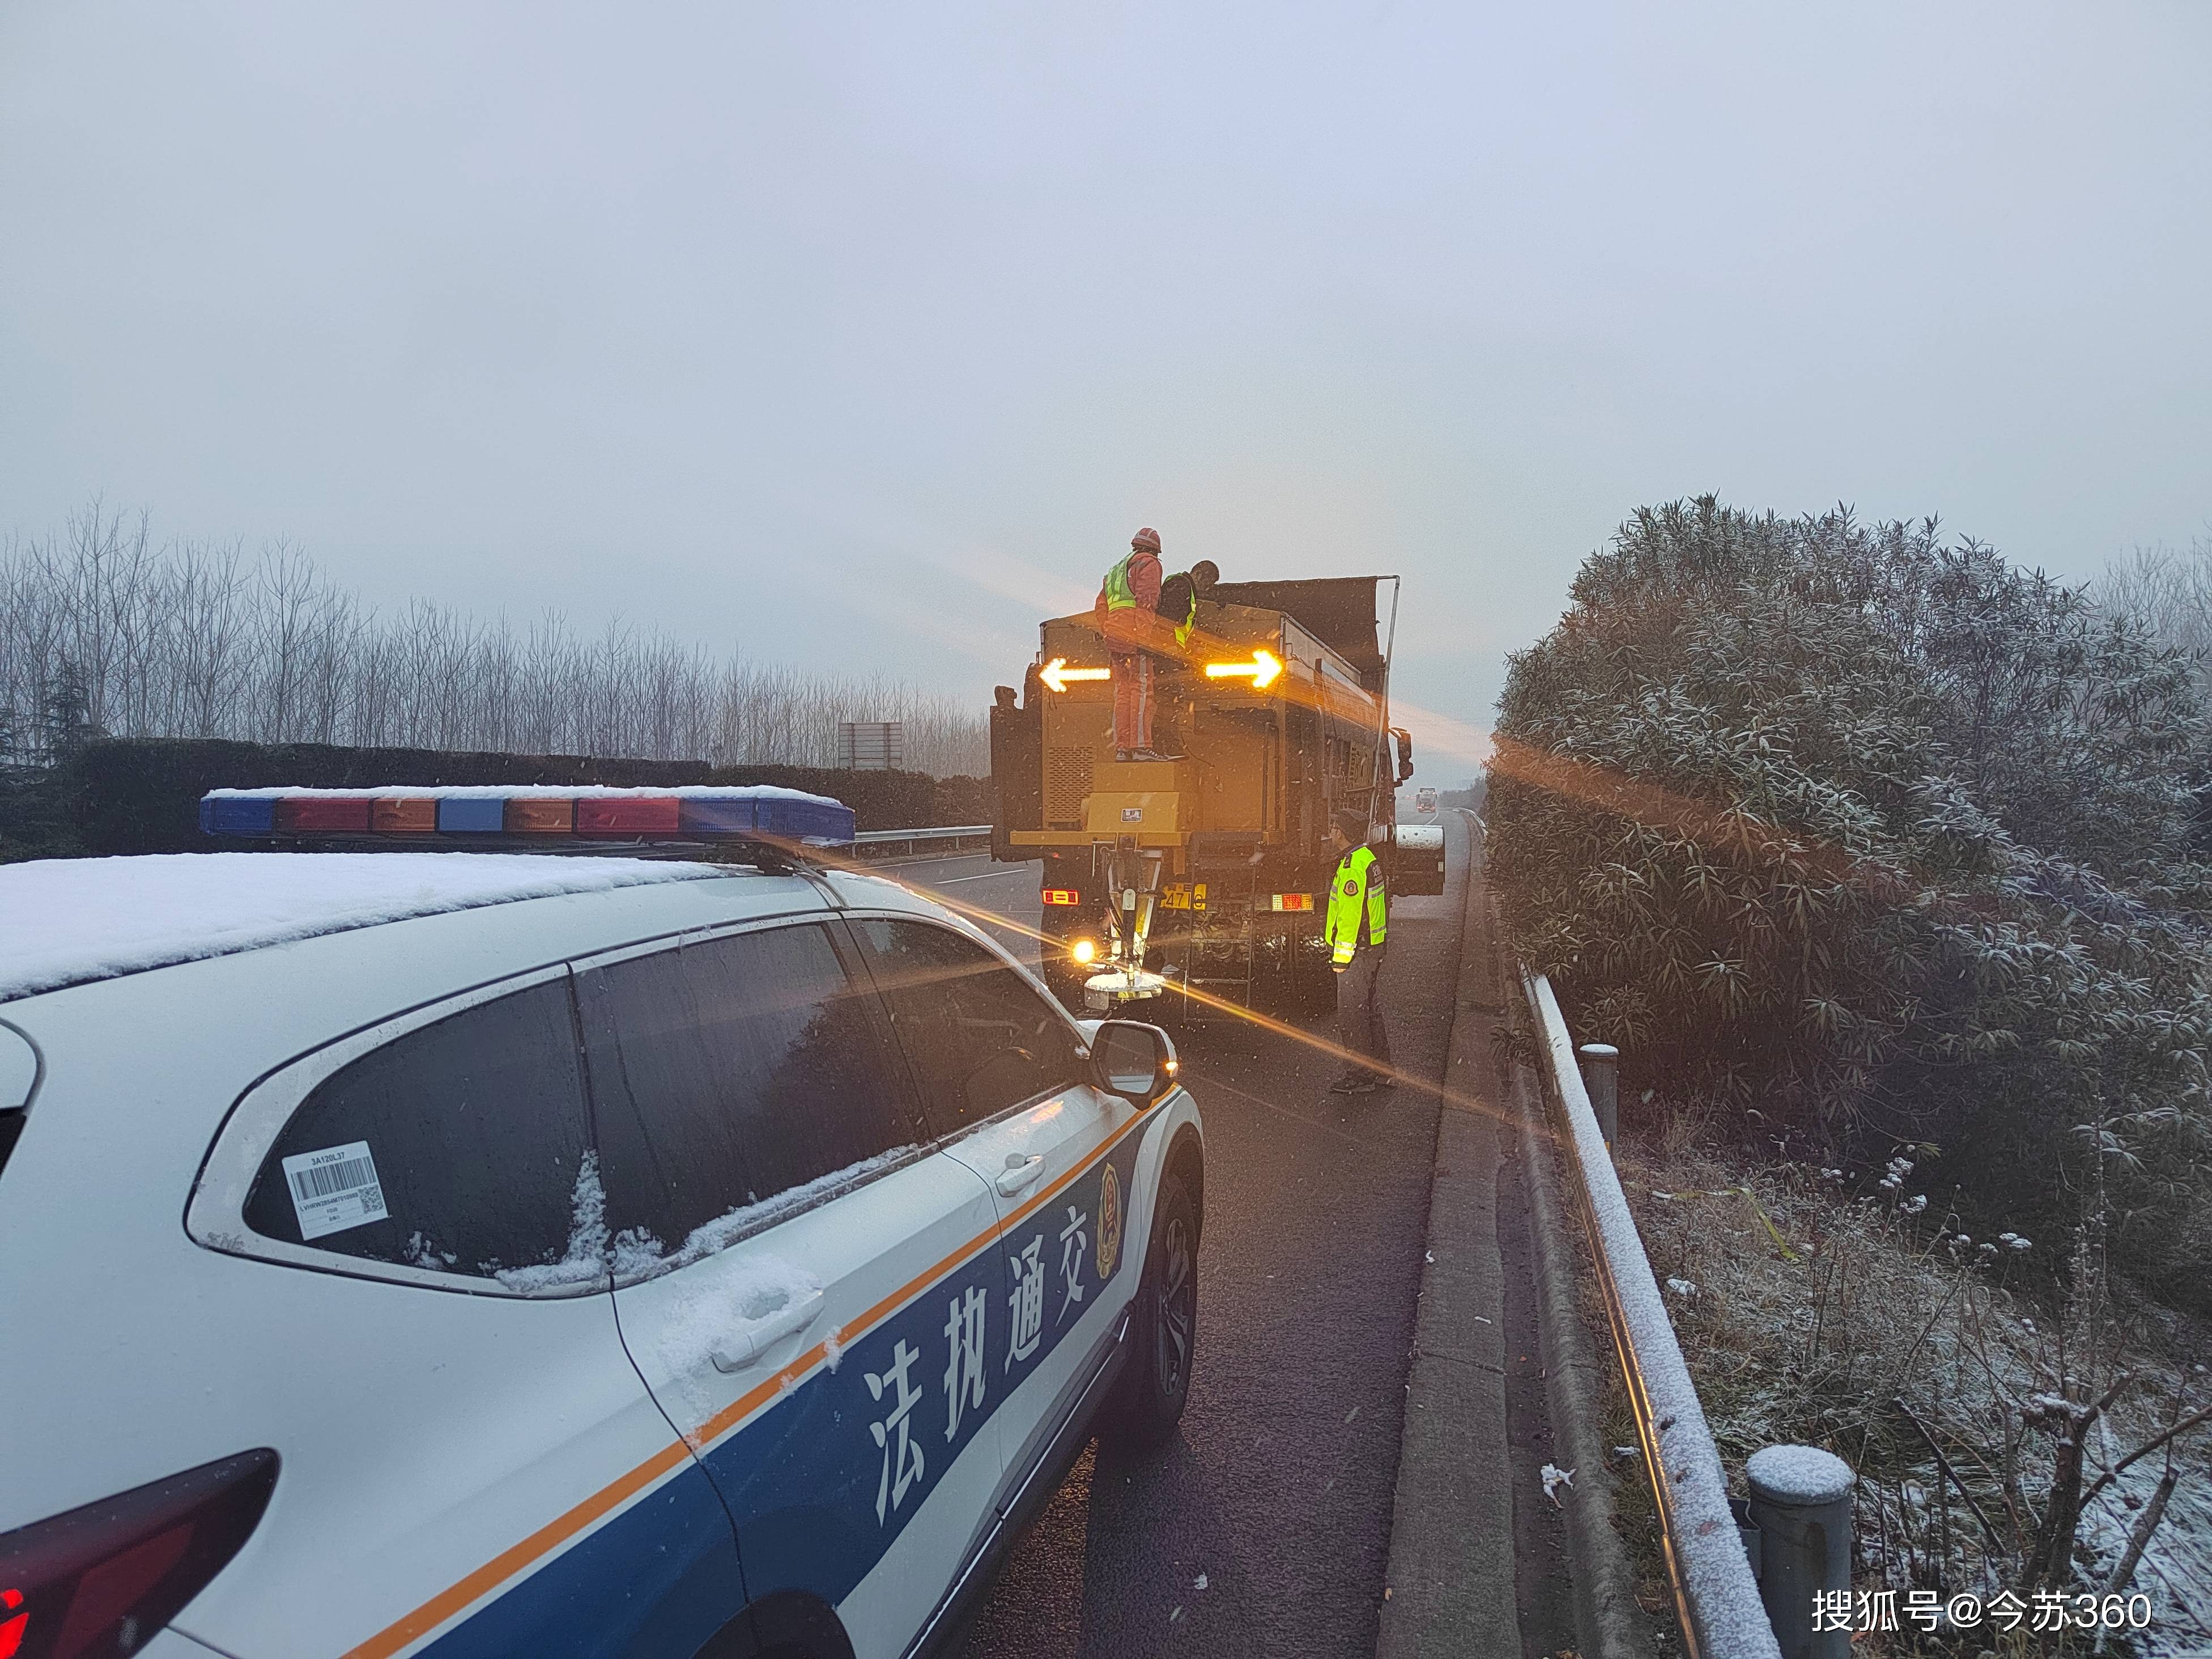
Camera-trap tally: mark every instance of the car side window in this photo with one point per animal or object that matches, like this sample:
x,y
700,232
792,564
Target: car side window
x,y
981,1036
459,1146
729,1073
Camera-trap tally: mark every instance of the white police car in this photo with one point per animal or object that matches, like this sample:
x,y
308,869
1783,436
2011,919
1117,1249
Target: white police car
x,y
497,1255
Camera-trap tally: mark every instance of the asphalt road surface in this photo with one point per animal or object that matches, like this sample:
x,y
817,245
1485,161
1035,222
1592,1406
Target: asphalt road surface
x,y
1263,1528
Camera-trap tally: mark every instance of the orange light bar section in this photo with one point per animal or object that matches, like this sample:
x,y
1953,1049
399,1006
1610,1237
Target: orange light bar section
x,y
321,812
534,815
404,818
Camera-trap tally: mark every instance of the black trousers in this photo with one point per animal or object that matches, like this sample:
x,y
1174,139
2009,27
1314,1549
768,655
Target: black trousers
x,y
1359,1011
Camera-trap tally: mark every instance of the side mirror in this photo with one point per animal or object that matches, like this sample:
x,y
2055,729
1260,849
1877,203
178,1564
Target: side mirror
x,y
1133,1061
1405,752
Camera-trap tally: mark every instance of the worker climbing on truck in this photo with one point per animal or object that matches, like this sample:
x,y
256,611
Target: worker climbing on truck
x,y
1126,613
1180,595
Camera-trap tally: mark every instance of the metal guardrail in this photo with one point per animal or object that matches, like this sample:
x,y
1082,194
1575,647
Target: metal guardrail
x,y
868,840
1722,1616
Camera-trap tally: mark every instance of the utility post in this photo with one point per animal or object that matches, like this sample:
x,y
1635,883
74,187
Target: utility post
x,y
1602,1076
1801,1502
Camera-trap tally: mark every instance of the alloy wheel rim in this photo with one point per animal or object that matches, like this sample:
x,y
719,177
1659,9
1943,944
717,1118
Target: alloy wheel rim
x,y
1178,1309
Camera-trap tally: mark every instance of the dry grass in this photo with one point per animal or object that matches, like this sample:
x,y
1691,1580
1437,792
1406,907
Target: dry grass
x,y
1810,1306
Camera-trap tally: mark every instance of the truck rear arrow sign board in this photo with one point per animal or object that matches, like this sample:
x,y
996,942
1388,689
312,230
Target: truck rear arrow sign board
x,y
1056,674
1263,668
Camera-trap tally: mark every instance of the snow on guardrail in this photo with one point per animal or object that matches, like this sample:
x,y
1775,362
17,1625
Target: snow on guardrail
x,y
1722,1614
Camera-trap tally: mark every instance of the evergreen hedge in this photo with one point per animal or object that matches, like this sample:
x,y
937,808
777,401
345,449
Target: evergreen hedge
x,y
1862,841
141,795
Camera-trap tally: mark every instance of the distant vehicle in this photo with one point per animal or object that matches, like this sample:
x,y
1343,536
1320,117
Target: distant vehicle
x,y
1424,800
476,1256
1209,872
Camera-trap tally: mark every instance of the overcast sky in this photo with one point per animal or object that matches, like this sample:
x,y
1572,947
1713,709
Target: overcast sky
x,y
868,335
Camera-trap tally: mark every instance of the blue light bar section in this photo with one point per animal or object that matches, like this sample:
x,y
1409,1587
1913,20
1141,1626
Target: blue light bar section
x,y
808,821
236,815
716,815
468,815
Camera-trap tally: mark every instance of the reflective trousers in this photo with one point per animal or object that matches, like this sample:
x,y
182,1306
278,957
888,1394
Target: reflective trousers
x,y
1360,1026
1133,700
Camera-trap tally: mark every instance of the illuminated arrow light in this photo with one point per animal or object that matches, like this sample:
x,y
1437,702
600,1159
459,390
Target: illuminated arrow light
x,y
1263,668
1056,674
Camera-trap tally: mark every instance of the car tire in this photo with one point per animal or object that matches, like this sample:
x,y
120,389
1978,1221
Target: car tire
x,y
1148,1397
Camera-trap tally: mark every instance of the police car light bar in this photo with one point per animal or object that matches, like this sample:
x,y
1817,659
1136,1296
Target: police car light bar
x,y
757,812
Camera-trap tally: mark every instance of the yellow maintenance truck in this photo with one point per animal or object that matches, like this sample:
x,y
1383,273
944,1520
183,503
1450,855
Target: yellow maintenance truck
x,y
1177,886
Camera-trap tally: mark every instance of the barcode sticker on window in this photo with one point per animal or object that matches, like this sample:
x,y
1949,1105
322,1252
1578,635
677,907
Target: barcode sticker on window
x,y
334,1188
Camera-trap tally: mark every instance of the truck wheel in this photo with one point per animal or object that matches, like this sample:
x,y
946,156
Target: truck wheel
x,y
1148,1397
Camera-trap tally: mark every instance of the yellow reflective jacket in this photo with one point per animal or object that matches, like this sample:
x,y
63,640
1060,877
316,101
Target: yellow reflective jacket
x,y
1121,593
1356,900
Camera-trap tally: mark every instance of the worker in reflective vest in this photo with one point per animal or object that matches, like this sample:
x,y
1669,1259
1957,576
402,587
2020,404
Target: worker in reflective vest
x,y
1179,597
1125,614
1356,927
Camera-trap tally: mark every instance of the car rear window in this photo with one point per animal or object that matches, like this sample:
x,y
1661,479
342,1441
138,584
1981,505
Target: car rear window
x,y
726,1074
468,1135
981,1036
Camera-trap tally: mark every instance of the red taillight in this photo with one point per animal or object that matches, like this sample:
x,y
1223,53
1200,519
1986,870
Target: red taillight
x,y
1062,896
98,1581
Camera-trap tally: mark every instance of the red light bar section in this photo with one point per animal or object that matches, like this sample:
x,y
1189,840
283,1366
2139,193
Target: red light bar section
x,y
1062,896
404,818
604,815
321,812
535,815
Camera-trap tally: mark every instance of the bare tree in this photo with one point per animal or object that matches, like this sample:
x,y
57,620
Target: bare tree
x,y
194,640
2169,590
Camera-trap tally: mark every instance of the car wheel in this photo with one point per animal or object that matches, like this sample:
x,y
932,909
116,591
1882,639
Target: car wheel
x,y
1148,1399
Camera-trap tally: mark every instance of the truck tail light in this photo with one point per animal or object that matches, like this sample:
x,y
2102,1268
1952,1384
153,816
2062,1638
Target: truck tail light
x,y
1293,901
1062,896
100,1581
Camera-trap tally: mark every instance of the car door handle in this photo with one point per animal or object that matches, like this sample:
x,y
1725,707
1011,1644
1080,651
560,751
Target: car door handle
x,y
1023,1169
747,1347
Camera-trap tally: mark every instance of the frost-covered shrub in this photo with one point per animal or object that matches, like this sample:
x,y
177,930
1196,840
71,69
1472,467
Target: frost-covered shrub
x,y
1858,833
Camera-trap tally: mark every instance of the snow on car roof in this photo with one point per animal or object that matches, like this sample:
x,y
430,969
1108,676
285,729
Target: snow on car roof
x,y
64,921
